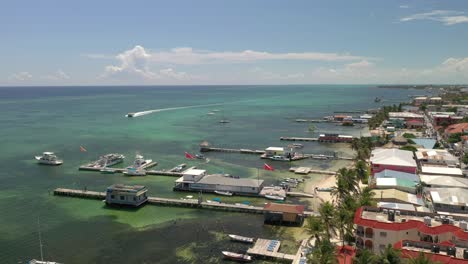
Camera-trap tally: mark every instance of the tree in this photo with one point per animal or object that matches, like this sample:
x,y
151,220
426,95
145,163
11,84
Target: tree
x,y
409,148
327,215
362,171
366,198
465,158
409,135
365,256
421,259
324,253
315,228
390,256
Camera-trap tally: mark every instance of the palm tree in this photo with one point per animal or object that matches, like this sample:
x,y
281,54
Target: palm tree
x,y
361,170
327,215
366,197
421,259
324,253
365,256
315,228
342,217
390,256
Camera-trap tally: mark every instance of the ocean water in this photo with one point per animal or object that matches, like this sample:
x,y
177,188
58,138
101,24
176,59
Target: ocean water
x,y
61,119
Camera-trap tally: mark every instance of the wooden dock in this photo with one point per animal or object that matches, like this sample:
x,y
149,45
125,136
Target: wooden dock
x,y
263,248
171,202
307,170
244,151
89,167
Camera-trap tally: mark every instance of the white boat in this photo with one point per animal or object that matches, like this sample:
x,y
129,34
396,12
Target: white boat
x,y
34,261
237,256
279,158
274,197
140,162
135,172
224,121
48,158
225,193
241,238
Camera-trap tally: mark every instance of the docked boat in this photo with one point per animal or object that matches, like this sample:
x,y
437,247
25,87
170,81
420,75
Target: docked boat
x,y
140,162
34,261
225,193
237,256
274,197
48,158
109,160
135,172
241,238
200,156
107,170
279,158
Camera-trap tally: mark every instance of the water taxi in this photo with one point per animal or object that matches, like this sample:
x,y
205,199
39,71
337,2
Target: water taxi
x,y
48,158
237,256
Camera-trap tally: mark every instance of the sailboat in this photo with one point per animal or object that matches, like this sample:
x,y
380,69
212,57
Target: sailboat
x,y
35,261
224,120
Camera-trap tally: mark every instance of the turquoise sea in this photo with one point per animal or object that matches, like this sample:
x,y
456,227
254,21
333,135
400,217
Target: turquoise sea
x,y
61,119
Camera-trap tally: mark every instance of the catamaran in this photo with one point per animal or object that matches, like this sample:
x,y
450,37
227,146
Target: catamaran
x,y
48,158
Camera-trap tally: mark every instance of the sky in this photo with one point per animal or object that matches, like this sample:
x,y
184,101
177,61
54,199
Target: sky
x,y
233,42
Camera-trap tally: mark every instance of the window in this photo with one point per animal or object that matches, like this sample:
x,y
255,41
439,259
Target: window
x,y
112,196
122,197
134,198
383,234
382,247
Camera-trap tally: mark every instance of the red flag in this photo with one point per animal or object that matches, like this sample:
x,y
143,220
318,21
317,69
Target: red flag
x,y
268,167
82,149
188,156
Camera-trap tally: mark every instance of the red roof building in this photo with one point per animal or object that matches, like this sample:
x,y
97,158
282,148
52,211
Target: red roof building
x,y
456,128
377,227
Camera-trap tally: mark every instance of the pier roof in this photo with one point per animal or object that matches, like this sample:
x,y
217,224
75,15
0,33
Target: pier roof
x,y
230,181
285,208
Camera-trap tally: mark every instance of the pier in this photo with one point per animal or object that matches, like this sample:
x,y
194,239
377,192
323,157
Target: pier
x,y
269,249
245,151
195,203
92,167
299,139
307,170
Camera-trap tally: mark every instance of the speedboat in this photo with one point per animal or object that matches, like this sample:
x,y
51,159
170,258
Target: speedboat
x,y
241,238
135,172
200,156
140,162
237,256
130,114
225,193
48,158
274,197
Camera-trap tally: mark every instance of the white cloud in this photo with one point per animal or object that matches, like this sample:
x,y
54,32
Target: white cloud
x,y
404,6
263,74
21,76
133,63
189,56
57,76
447,17
172,74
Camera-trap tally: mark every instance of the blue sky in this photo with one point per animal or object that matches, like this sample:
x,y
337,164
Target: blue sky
x,y
233,42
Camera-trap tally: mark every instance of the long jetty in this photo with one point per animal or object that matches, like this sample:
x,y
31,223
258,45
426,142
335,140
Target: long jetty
x,y
299,139
172,172
194,203
244,151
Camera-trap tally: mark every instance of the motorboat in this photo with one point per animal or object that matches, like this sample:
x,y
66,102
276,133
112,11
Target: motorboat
x,y
106,170
274,197
135,172
130,114
49,158
224,121
241,238
225,193
200,156
279,158
140,162
237,256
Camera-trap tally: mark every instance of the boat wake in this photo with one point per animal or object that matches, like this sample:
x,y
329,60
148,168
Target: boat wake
x,y
147,112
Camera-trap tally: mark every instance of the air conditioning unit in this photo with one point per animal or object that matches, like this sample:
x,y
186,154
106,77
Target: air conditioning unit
x,y
403,220
385,211
463,225
428,220
397,212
